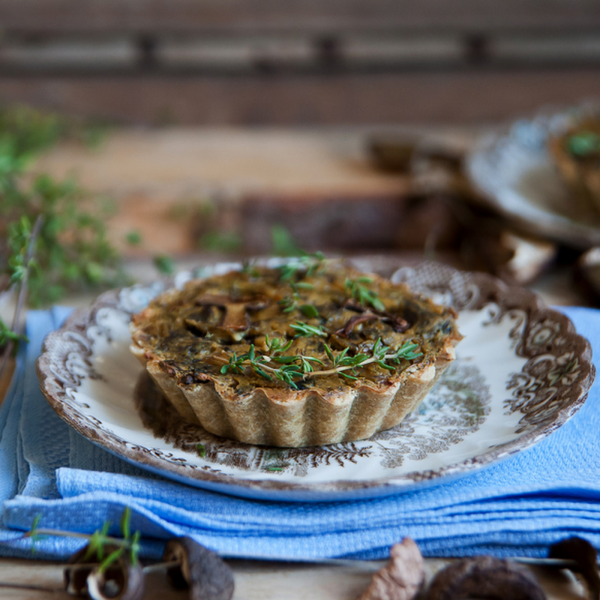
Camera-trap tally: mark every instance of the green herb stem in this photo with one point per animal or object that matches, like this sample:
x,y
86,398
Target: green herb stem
x,y
84,536
342,363
363,363
22,292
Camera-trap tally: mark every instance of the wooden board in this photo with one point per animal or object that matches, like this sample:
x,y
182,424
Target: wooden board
x,y
175,185
473,96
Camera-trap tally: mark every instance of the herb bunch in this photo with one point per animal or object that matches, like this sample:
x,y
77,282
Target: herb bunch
x,y
72,247
52,234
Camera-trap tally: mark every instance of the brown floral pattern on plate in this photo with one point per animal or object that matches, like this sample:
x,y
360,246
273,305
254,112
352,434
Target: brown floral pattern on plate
x,y
551,382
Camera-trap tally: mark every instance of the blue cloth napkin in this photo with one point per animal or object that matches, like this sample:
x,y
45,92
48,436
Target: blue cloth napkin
x,y
518,506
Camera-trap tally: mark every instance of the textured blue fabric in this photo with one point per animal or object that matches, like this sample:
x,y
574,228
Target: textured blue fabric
x,y
519,506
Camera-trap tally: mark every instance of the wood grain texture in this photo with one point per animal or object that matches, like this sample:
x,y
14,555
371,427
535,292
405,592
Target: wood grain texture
x,y
210,16
259,581
433,97
176,185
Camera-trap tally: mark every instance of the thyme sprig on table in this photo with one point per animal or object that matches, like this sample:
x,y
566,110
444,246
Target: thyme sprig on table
x,y
294,367
72,248
52,234
97,541
21,241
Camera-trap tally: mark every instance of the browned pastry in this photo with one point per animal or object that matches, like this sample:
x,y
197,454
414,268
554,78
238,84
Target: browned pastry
x,y
310,353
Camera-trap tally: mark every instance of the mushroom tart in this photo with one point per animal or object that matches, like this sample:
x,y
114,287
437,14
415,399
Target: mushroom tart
x,y
310,353
576,154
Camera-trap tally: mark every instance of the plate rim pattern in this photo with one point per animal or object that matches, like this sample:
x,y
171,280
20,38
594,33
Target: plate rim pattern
x,y
548,337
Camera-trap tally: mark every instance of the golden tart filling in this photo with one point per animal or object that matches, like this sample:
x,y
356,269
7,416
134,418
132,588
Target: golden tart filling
x,y
313,352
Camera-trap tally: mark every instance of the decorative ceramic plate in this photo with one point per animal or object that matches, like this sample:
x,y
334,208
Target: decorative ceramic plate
x,y
514,175
521,372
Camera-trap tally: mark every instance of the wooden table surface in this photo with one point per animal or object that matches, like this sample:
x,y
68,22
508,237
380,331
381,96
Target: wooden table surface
x,y
278,581
259,581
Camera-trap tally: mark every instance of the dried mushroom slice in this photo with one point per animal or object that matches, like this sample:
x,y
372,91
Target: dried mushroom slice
x,y
586,557
119,581
401,578
485,577
200,570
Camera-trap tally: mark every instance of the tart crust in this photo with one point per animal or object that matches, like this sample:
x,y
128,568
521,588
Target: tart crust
x,y
275,414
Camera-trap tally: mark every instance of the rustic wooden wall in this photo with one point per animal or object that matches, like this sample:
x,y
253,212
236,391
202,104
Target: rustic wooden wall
x,y
249,62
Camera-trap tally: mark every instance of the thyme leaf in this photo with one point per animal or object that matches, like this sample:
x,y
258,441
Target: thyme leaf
x,y
305,330
276,346
307,263
309,310
362,294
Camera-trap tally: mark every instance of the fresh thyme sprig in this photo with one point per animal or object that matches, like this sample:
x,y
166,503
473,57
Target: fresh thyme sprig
x,y
97,541
20,259
257,362
72,249
249,268
362,294
8,335
293,302
276,346
379,355
307,262
22,241
291,368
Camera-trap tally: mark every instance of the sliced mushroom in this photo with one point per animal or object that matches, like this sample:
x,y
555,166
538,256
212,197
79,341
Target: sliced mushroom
x,y
200,570
75,578
352,322
585,555
352,305
235,310
401,578
121,581
398,323
77,570
485,577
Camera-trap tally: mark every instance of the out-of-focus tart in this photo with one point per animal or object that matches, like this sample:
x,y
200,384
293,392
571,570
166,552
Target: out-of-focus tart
x,y
576,153
310,353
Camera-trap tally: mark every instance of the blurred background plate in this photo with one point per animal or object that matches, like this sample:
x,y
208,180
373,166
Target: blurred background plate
x,y
514,175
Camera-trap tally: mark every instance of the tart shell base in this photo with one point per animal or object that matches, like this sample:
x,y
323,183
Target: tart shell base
x,y
274,417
